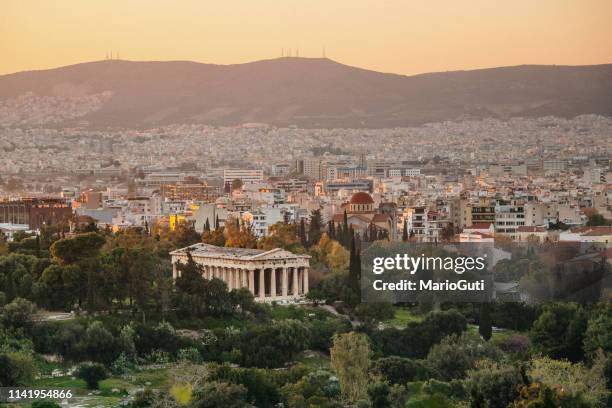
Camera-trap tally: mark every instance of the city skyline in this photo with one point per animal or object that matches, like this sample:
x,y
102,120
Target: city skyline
x,y
444,36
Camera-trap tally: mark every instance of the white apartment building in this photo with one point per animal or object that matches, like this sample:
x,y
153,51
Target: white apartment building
x,y
508,218
245,175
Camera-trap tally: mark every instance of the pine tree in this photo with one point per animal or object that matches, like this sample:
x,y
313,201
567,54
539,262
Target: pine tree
x,y
207,226
405,232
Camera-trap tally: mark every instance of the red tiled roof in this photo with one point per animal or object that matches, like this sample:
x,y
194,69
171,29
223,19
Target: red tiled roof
x,y
380,218
361,198
525,228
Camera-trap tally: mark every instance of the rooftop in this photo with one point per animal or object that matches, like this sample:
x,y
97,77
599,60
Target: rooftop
x,y
212,251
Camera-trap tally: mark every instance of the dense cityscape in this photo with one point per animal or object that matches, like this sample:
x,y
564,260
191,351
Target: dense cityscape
x,y
533,173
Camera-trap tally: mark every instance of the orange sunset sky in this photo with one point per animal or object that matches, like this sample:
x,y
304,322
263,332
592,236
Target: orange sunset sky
x,y
401,36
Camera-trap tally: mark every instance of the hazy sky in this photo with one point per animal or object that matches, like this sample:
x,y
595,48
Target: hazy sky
x,y
401,36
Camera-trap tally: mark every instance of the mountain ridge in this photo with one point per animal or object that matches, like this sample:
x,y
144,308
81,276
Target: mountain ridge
x,y
314,92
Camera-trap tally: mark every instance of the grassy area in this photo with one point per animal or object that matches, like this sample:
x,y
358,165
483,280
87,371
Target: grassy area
x,y
401,318
313,359
111,391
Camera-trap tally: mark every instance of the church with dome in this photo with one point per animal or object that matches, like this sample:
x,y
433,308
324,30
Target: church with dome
x,y
366,218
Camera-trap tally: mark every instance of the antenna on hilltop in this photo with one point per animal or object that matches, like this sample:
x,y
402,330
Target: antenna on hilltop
x,y
282,52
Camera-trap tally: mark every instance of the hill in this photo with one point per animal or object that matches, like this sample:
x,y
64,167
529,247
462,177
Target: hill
x,y
313,92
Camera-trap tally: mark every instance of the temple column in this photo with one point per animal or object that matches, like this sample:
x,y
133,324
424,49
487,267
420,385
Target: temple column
x,y
229,277
273,282
285,283
245,278
262,283
237,280
301,281
251,278
295,281
174,271
306,280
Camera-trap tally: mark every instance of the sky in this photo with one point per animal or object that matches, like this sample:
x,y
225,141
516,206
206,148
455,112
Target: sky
x,y
399,36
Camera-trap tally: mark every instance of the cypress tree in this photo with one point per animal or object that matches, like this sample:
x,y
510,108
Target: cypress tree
x,y
217,222
485,325
354,275
207,226
38,246
303,239
314,232
345,230
405,232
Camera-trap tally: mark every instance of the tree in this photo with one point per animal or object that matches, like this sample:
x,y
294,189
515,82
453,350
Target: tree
x,y
398,370
18,313
596,220
217,394
345,239
239,235
242,298
599,333
45,404
350,359
92,374
100,344
405,231
379,394
495,383
558,332
354,276
60,286
293,335
303,239
314,232
372,313
455,355
207,226
185,235
236,184
485,325
571,380
16,370
82,250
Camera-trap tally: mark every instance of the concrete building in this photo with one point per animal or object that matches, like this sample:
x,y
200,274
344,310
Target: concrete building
x,y
245,175
274,275
35,212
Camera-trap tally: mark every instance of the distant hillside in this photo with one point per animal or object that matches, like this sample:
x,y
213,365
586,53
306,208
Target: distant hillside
x,y
312,92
